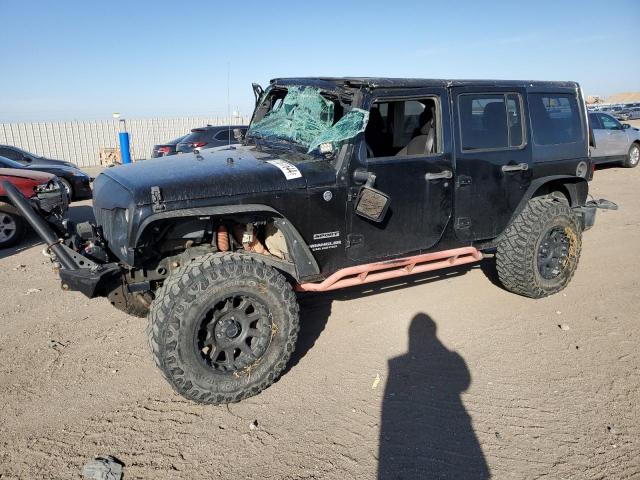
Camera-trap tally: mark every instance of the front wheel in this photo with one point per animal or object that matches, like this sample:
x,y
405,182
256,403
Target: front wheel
x,y
633,157
223,327
539,252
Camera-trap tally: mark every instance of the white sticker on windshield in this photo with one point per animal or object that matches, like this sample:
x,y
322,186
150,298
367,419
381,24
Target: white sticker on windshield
x,y
290,171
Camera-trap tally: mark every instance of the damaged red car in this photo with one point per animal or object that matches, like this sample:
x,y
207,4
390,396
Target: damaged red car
x,y
44,191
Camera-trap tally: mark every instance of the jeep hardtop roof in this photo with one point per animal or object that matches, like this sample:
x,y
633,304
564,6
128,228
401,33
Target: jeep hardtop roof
x,y
385,82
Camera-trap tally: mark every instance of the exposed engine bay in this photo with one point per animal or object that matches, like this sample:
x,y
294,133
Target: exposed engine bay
x,y
175,244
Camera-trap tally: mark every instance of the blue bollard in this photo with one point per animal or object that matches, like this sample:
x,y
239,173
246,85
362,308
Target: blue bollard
x,y
124,147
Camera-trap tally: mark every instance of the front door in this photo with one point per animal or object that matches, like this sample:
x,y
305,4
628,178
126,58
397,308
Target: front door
x,y
403,147
493,159
615,138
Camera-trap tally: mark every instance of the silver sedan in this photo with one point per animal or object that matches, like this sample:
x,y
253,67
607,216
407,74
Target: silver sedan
x,y
615,142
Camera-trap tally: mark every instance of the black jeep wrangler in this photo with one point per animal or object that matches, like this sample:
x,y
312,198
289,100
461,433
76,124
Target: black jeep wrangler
x,y
338,182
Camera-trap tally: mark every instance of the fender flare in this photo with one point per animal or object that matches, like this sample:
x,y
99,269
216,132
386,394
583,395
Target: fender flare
x,y
577,189
304,263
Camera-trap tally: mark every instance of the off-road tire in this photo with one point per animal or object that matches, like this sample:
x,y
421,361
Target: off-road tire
x,y
518,247
634,152
187,296
10,212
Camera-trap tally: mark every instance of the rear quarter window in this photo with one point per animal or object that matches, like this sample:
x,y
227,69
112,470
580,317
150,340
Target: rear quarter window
x,y
555,118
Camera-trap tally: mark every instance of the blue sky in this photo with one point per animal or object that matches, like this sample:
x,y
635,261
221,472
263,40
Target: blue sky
x,y
72,59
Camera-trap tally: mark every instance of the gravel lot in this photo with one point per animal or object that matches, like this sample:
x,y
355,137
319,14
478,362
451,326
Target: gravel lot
x,y
445,376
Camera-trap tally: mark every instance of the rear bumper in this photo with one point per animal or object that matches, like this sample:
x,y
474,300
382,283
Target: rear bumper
x,y
587,214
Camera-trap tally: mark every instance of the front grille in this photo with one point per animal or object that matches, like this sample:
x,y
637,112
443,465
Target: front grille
x,y
104,220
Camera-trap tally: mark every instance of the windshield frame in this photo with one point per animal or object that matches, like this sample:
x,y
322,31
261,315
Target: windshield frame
x,y
342,106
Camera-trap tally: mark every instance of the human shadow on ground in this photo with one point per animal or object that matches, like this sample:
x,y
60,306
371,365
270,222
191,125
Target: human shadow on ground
x,y
425,431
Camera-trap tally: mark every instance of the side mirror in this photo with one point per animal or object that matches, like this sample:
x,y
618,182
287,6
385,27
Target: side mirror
x,y
372,204
26,159
237,134
625,126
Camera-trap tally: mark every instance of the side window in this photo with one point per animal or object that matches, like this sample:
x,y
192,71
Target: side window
x,y
402,128
490,121
223,136
594,120
609,123
10,154
555,118
514,117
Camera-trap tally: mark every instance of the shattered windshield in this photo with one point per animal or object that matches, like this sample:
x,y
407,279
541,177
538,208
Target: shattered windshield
x,y
305,117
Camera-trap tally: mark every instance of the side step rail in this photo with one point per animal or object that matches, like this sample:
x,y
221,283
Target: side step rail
x,y
374,272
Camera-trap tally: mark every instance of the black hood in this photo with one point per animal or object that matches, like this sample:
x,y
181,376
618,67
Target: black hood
x,y
190,177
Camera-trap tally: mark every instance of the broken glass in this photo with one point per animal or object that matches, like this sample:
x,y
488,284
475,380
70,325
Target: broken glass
x,y
354,122
307,118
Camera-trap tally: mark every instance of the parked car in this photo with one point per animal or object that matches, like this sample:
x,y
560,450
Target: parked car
x,y
27,158
76,183
634,113
615,141
45,194
339,182
622,115
209,137
166,149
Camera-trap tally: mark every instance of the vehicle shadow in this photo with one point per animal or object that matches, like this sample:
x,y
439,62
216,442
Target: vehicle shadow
x,y
425,430
30,240
608,166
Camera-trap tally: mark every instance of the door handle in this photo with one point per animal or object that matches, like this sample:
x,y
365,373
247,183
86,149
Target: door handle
x,y
439,175
515,168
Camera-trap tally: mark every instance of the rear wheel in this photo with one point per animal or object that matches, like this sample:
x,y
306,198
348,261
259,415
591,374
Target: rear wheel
x,y
223,327
538,253
633,157
12,226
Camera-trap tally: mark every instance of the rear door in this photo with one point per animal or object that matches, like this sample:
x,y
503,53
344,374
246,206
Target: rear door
x,y
493,158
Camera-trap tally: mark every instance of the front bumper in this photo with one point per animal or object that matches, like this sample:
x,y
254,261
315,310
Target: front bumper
x,y
77,272
92,282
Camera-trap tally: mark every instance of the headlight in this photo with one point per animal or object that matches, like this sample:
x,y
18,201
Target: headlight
x,y
50,186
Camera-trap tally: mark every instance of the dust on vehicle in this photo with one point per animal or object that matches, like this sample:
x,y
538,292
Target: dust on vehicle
x,y
337,182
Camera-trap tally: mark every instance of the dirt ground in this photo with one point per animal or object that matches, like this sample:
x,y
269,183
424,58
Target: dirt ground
x,y
442,376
